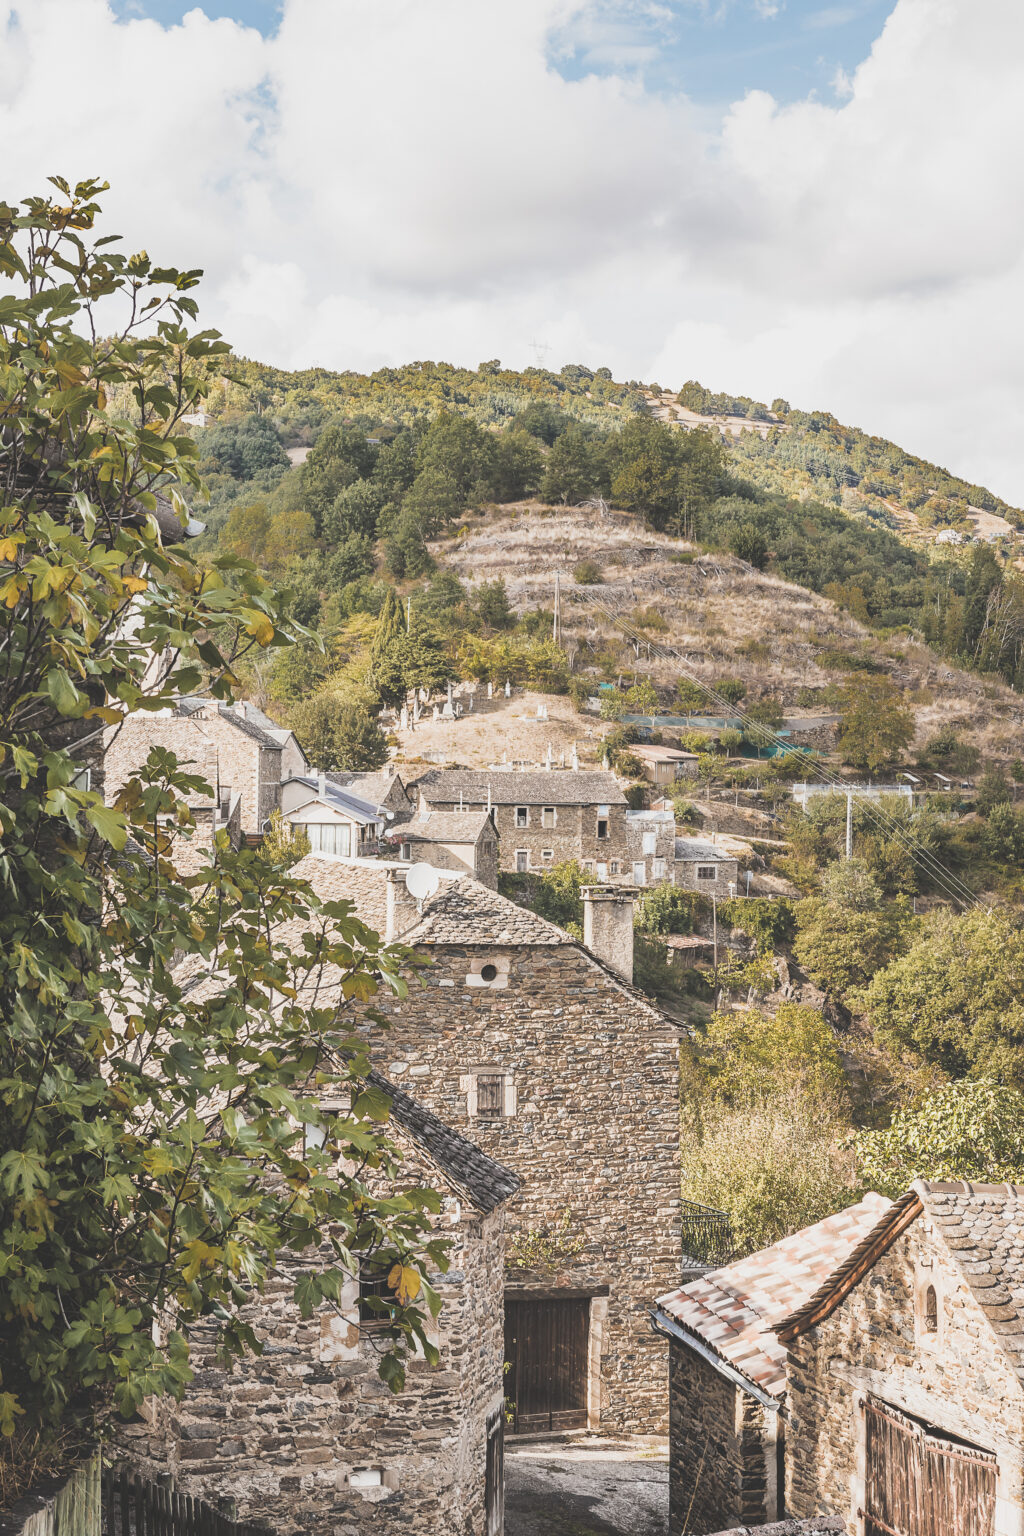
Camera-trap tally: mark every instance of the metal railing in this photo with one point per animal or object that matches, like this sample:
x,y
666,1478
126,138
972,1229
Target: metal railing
x,y
707,1235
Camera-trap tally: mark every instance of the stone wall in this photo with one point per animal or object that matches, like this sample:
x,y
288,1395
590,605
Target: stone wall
x,y
957,1379
684,874
573,836
721,1450
592,1082
284,1433
204,742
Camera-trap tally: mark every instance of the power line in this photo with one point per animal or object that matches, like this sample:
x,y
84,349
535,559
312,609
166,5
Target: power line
x,y
923,858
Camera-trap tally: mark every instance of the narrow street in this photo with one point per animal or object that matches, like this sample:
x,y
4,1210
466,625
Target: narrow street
x,y
586,1486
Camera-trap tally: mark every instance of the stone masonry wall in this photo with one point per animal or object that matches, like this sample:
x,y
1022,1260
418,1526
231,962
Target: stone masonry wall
x,y
595,1131
574,835
958,1379
283,1433
202,743
718,1470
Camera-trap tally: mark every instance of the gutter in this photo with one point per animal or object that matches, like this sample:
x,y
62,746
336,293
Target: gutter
x,y
662,1323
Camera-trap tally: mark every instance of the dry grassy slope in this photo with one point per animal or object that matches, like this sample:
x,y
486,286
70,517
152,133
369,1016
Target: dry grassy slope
x,y
725,617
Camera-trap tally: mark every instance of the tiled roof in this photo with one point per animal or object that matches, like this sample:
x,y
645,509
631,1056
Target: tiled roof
x,y
364,882
341,800
487,1183
375,787
649,752
735,1310
245,718
982,1225
817,1523
466,912
559,786
694,848
441,827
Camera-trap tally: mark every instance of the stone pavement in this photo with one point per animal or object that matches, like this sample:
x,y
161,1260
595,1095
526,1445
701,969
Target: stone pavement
x,y
586,1485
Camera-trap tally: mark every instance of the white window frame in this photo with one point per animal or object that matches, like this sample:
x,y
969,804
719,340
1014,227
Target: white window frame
x,y
525,854
657,869
509,1097
549,811
547,854
524,812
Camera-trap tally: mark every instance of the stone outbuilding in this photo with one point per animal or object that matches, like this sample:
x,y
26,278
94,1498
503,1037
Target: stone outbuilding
x,y
543,1053
870,1368
464,841
307,1436
542,817
702,866
728,1372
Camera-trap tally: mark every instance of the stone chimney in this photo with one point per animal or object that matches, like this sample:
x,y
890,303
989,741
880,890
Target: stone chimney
x,y
402,911
608,925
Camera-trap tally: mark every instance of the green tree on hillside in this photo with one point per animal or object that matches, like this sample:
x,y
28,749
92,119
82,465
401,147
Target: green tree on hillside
x,y
340,456
877,726
965,1130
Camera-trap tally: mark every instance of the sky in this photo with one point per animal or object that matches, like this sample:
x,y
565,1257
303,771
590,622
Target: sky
x,y
819,199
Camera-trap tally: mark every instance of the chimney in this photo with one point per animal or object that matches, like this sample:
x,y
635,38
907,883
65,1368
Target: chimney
x,y
402,911
321,785
608,925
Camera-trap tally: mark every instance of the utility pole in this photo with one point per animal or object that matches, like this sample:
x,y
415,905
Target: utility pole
x,y
408,614
849,824
556,633
714,937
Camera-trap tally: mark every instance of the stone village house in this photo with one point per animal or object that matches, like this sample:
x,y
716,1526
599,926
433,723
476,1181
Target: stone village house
x,y
542,817
539,1050
877,1357
307,1436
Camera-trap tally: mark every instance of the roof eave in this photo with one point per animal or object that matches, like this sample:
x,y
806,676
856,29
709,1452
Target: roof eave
x,y
664,1323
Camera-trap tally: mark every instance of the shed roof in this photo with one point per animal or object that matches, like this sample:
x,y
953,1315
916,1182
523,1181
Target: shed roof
x,y
736,1310
555,786
485,1182
692,848
341,800
442,827
654,752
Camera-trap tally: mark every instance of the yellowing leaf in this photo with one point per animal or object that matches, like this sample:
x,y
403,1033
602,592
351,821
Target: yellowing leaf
x,y
261,629
405,1283
9,547
135,584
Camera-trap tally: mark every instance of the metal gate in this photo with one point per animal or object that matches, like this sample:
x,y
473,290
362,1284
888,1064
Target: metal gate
x,y
494,1486
919,1484
546,1356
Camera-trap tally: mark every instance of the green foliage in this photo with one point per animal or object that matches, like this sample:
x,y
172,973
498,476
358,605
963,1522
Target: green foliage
x,y
339,734
340,456
665,476
993,788
731,689
955,996
558,896
965,1130
587,573
575,468
283,845
538,664
845,936
877,726
642,697
669,909
770,924
748,542
151,1147
546,1247
693,699
244,450
749,1055
1003,838
493,606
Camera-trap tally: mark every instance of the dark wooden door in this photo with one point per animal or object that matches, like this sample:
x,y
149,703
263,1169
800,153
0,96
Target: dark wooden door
x,y
494,1490
919,1484
546,1353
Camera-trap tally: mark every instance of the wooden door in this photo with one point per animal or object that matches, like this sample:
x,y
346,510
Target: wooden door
x,y
546,1352
494,1488
919,1484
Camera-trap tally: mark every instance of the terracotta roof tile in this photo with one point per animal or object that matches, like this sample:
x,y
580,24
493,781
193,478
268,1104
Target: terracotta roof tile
x,y
735,1309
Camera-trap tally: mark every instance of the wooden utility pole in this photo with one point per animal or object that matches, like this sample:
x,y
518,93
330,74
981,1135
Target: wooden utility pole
x,y
714,936
849,824
556,633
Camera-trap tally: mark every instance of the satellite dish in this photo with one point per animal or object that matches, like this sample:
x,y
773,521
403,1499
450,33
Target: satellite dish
x,y
422,881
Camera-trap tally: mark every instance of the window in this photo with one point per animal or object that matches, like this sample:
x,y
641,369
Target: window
x,y
614,866
82,780
489,972
330,837
602,827
602,871
490,1095
547,854
376,1297
548,816
707,872
657,869
650,844
588,865
522,860
522,815
931,1310
639,872
405,850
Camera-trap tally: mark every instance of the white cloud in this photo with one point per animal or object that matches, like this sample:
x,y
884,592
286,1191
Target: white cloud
x,y
414,178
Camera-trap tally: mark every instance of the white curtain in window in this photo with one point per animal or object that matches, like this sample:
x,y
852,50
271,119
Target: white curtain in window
x,y
330,837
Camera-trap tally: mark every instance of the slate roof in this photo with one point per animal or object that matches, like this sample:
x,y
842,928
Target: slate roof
x,y
982,1225
486,1183
467,912
441,827
341,800
248,723
736,1310
816,1524
364,882
694,848
375,787
557,786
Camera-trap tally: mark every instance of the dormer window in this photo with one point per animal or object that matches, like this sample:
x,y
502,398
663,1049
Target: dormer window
x,y
522,815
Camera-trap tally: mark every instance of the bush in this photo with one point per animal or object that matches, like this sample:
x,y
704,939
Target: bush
x,y
768,923
588,573
668,909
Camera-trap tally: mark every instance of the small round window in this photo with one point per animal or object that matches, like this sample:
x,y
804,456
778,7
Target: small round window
x,y
489,972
